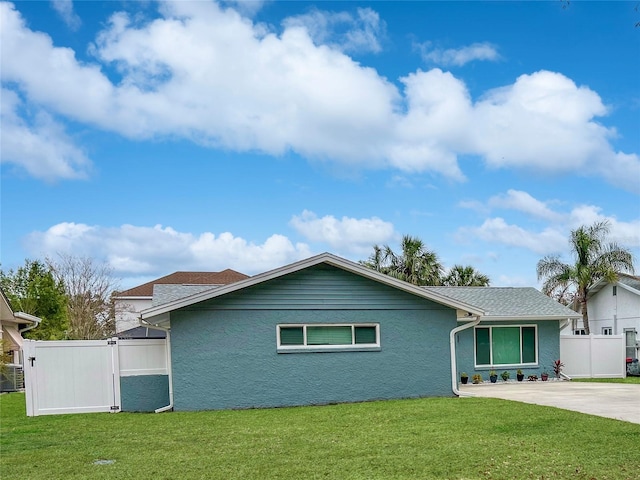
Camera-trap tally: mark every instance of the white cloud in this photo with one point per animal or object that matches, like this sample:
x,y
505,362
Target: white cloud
x,y
40,146
342,30
211,76
64,8
135,251
345,234
544,122
554,238
458,56
497,230
523,202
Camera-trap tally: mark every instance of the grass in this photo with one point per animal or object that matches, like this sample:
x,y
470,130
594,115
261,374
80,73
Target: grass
x,y
634,380
470,438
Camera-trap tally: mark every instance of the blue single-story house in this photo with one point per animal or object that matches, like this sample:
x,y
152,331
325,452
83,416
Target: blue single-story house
x,y
327,330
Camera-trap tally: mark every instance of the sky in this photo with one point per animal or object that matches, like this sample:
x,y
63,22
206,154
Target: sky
x,y
162,137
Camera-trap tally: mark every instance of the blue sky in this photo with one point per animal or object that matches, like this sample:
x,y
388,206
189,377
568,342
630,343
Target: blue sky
x,y
248,135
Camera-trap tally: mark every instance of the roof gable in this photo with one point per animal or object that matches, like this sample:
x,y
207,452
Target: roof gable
x,y
626,281
325,258
224,277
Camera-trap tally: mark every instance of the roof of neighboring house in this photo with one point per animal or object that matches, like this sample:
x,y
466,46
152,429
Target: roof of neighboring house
x,y
630,282
159,313
142,332
7,314
509,302
224,277
168,293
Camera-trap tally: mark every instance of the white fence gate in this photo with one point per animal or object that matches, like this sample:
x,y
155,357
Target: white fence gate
x,y
83,376
593,356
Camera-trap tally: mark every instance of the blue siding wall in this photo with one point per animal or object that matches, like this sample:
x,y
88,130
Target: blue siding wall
x,y
548,350
144,393
224,351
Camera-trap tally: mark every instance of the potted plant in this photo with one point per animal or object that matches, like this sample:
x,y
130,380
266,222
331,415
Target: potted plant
x,y
519,375
505,376
477,378
464,378
493,376
557,368
545,376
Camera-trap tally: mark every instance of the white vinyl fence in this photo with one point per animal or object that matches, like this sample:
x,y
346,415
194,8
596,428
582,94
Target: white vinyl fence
x,y
82,376
593,356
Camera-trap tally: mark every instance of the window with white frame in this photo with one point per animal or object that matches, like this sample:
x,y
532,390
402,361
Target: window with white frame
x,y
607,330
506,345
327,336
579,331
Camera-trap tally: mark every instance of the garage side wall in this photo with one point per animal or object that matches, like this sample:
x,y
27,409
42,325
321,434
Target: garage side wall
x,y
225,352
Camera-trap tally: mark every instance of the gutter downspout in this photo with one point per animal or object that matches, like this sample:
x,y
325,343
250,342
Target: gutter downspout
x,y
563,325
25,316
169,366
452,345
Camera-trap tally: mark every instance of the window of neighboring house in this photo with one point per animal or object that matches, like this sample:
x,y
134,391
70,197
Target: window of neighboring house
x,y
327,337
630,341
579,331
506,345
607,330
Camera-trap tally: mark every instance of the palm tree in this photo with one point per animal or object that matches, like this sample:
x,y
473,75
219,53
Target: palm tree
x,y
415,264
594,259
465,276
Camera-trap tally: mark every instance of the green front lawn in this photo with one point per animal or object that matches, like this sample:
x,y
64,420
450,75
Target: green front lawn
x,y
470,438
635,380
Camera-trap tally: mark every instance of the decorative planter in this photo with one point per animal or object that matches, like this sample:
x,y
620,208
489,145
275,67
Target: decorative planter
x,y
544,377
493,378
520,377
464,380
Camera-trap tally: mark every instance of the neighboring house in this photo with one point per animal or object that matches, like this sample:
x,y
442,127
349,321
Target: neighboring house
x,y
326,330
614,309
129,303
13,324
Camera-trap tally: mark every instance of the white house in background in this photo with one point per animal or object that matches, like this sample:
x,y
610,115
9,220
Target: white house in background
x,y
129,303
614,309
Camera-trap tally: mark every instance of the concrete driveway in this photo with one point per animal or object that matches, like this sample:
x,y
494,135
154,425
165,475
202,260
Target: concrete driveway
x,y
613,400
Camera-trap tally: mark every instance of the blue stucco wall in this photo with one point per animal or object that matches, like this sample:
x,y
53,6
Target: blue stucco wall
x,y
144,393
224,351
548,350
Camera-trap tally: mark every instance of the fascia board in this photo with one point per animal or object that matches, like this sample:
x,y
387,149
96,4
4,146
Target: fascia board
x,y
512,318
628,288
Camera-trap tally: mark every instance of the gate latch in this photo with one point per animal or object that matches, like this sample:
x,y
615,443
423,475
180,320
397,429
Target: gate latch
x,y
31,360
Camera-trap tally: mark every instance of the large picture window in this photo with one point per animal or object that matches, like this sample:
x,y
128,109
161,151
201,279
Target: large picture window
x,y
330,337
508,345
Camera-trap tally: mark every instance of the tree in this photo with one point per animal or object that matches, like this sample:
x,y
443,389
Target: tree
x,y
414,264
465,276
33,289
594,259
89,287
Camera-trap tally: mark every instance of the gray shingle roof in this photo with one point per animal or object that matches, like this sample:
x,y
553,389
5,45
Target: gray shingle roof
x,y
165,293
508,301
630,281
186,278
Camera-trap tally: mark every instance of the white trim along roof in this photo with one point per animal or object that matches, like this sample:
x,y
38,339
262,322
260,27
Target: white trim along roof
x,y
159,314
